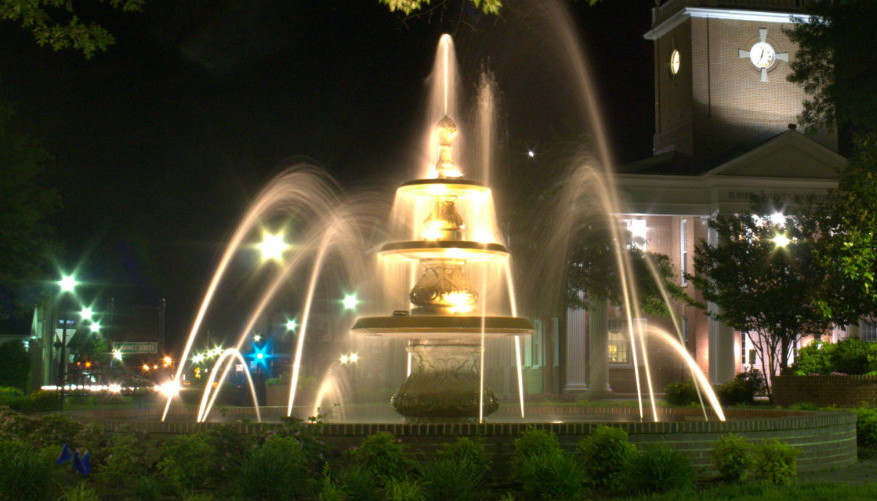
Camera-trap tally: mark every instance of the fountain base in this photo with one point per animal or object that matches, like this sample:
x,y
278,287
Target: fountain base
x,y
444,383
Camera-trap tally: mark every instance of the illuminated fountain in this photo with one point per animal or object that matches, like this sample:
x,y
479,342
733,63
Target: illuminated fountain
x,y
447,321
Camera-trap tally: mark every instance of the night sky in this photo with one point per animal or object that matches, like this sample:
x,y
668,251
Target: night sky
x,y
161,142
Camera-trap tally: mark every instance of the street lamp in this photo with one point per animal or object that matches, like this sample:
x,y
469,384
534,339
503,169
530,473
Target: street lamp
x,y
67,284
350,301
272,246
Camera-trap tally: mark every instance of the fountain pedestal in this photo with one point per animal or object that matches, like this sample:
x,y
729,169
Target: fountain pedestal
x,y
444,383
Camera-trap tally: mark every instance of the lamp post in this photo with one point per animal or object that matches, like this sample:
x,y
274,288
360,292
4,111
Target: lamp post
x,y
67,284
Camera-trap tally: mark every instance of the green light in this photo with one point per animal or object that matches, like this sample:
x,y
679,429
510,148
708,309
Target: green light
x,y
350,301
67,283
86,313
95,327
291,325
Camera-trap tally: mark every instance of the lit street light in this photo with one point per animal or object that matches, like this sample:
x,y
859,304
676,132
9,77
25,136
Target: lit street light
x,y
350,301
272,246
780,240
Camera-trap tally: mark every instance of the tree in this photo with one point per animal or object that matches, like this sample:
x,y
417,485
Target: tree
x,y
593,272
14,365
847,248
769,289
56,24
836,65
409,7
26,239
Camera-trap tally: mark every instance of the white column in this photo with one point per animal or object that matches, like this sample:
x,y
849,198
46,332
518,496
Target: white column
x,y
598,349
574,358
721,352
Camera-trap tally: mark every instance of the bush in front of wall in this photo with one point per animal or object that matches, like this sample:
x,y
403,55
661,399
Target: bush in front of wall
x,y
658,468
732,457
382,456
550,476
866,427
544,470
605,457
681,393
776,462
742,389
458,471
278,469
24,474
184,461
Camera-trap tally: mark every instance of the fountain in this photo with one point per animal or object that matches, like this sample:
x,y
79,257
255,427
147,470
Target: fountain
x,y
451,291
444,329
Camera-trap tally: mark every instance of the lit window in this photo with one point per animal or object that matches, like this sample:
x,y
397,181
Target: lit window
x,y
638,231
619,343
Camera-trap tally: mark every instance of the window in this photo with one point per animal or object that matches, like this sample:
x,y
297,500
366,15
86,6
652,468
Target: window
x,y
868,331
638,232
619,341
683,251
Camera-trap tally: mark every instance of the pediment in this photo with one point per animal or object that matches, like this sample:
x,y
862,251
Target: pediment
x,y
790,155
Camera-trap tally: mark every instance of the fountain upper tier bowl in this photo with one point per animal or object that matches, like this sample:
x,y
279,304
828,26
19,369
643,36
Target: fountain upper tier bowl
x,y
445,327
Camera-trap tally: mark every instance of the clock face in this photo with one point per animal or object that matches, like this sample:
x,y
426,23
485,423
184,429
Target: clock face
x,y
762,55
675,61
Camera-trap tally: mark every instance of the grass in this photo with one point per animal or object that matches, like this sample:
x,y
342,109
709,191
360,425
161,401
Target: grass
x,y
759,492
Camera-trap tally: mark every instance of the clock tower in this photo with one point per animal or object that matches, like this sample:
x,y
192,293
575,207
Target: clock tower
x,y
720,77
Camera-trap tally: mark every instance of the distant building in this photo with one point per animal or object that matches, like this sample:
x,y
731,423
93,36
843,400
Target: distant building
x,y
723,110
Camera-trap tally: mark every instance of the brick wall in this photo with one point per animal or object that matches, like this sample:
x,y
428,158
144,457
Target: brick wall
x,y
826,439
825,391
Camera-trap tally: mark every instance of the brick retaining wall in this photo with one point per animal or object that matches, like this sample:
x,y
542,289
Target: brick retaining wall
x,y
825,391
826,439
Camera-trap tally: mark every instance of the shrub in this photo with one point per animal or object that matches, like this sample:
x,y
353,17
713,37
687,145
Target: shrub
x,y
448,479
543,469
80,493
814,358
549,476
14,425
776,462
24,473
383,456
458,472
329,489
124,466
732,457
230,447
184,460
358,483
605,457
276,470
466,450
680,393
52,430
659,468
850,356
742,389
403,489
532,442
866,427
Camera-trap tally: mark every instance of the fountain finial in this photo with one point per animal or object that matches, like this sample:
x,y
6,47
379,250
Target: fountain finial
x,y
447,131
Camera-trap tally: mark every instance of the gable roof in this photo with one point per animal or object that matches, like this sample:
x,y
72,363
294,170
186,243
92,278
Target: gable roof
x,y
789,154
786,165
